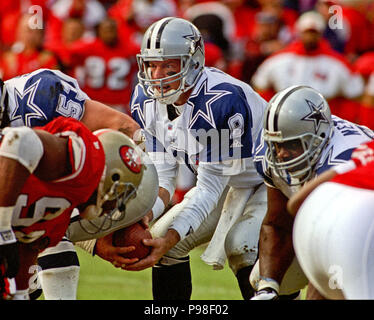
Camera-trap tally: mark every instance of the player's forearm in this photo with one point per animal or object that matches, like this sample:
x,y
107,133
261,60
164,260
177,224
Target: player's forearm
x,y
171,239
276,252
200,204
99,116
129,126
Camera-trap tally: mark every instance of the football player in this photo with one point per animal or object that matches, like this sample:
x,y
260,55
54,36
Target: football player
x,y
208,120
333,230
34,99
300,140
49,171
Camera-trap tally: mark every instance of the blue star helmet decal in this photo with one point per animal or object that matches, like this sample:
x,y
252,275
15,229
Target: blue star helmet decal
x,y
196,40
315,114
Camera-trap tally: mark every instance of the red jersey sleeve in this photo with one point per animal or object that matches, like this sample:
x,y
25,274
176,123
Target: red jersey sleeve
x,y
363,154
363,175
86,157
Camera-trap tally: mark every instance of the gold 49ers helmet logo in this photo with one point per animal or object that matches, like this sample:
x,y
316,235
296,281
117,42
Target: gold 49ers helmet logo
x,y
131,159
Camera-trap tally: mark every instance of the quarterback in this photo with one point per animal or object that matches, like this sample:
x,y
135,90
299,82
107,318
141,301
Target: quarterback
x,y
208,120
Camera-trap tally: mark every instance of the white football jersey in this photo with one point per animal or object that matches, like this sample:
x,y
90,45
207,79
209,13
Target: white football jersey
x,y
219,123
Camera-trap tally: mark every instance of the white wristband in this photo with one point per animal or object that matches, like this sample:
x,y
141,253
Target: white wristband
x,y
158,208
6,214
268,283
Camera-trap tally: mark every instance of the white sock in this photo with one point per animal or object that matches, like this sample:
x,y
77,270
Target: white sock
x,y
60,283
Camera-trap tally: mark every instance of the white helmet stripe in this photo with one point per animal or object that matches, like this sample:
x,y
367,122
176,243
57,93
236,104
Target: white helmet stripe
x,y
277,105
271,113
157,31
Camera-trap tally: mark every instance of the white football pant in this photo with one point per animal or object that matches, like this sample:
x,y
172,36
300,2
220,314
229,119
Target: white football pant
x,y
333,237
254,208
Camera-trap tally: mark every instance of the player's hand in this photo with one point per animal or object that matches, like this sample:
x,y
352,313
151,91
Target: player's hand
x,y
266,294
9,252
105,250
159,247
147,219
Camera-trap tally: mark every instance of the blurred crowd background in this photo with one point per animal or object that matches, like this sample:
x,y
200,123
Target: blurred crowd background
x,y
270,44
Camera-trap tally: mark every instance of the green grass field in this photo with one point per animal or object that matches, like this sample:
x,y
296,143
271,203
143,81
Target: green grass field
x,y
99,280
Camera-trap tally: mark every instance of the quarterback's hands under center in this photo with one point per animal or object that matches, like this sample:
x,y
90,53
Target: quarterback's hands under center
x,y
105,250
159,247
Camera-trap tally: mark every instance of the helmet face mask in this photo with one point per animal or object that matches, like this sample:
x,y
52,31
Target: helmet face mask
x,y
299,119
171,38
160,88
128,208
116,198
298,169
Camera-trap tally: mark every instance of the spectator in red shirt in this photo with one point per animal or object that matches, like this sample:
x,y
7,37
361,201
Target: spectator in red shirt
x,y
71,31
106,66
27,53
134,17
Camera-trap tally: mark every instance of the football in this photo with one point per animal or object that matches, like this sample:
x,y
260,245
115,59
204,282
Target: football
x,y
132,236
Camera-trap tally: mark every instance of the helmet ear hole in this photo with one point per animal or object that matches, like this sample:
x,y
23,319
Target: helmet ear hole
x,y
115,177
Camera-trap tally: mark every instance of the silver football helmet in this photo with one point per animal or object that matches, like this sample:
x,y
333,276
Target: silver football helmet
x,y
171,38
299,115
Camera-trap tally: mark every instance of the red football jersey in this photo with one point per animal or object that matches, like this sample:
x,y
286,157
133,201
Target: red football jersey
x,y
363,175
106,74
43,208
